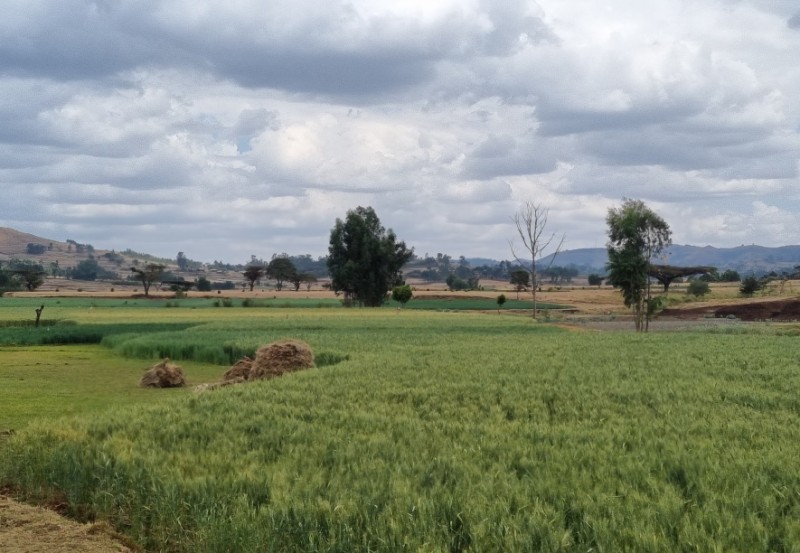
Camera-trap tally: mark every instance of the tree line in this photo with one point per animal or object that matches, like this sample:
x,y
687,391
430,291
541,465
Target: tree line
x,y
365,262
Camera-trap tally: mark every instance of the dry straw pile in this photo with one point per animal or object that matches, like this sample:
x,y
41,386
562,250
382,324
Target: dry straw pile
x,y
281,357
163,375
239,371
273,360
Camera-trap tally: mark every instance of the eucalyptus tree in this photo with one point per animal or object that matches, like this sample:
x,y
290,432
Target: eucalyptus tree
x,y
365,260
636,234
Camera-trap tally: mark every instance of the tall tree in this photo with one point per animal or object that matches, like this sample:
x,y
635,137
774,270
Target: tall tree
x,y
147,276
531,222
636,234
183,261
281,269
364,258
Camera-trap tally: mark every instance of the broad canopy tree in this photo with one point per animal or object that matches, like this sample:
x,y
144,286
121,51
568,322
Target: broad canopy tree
x,y
147,276
364,258
281,270
29,273
665,274
636,234
252,274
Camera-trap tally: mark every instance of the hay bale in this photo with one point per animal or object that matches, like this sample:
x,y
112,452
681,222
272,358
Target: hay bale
x,y
163,375
281,357
240,370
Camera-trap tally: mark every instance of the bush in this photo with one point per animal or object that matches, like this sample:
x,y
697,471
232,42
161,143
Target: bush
x,y
401,294
203,284
730,276
698,288
455,283
750,286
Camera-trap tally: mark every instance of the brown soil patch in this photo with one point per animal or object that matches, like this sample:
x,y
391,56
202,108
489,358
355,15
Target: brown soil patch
x,y
754,310
27,529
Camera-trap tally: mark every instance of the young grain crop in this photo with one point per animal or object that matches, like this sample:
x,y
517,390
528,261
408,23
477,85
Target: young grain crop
x,y
449,432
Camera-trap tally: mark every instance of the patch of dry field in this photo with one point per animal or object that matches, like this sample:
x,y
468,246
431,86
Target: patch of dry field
x,y
27,529
585,300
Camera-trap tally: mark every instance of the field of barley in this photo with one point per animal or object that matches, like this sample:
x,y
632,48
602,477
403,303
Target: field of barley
x,y
420,430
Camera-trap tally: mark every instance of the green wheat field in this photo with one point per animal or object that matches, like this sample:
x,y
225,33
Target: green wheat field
x,y
420,430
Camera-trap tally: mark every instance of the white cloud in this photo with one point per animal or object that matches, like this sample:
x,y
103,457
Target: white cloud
x,y
148,124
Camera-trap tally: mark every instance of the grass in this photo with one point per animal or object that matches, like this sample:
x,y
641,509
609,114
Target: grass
x,y
22,309
53,382
470,304
440,432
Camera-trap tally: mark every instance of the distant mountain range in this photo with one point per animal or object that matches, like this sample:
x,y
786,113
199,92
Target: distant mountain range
x,y
744,259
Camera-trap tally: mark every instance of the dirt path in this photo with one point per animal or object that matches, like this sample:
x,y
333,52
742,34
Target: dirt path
x,y
27,529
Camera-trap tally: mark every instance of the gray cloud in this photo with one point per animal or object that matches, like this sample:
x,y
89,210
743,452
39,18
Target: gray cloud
x,y
507,155
124,122
330,48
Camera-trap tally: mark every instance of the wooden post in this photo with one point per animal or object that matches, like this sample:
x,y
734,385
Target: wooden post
x,y
38,315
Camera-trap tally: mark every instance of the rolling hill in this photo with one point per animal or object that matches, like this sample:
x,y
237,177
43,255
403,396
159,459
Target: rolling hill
x,y
744,259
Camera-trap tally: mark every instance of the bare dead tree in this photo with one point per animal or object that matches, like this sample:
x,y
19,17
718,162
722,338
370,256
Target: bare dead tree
x,y
531,222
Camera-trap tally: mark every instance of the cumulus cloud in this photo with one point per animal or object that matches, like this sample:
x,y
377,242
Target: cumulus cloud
x,y
125,122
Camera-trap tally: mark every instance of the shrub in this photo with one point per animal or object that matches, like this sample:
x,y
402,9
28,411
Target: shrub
x,y
402,294
698,288
203,284
750,286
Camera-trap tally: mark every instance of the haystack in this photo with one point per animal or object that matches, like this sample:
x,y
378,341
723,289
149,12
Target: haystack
x,y
239,371
281,357
163,375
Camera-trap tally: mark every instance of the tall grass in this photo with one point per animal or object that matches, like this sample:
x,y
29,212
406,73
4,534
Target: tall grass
x,y
68,332
450,432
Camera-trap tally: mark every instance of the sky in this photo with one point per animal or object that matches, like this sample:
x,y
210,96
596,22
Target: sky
x,y
238,128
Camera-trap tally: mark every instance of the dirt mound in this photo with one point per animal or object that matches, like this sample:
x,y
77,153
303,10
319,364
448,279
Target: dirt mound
x,y
240,370
773,310
163,375
281,357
